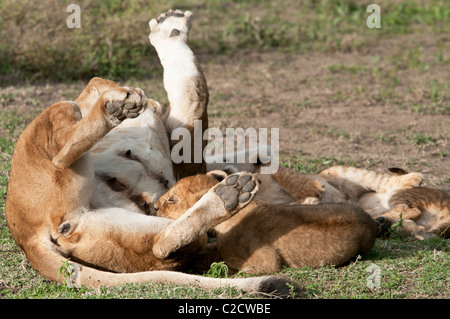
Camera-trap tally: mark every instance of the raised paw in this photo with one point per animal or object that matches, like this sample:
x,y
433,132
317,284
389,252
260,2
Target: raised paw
x,y
122,103
174,25
237,190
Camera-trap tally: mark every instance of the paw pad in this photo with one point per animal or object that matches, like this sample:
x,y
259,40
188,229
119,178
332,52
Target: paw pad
x,y
237,189
129,106
173,24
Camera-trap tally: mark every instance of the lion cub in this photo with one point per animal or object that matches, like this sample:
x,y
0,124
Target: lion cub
x,y
263,238
425,212
389,197
396,196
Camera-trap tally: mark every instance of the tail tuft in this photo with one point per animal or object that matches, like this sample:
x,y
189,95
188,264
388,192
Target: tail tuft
x,y
281,287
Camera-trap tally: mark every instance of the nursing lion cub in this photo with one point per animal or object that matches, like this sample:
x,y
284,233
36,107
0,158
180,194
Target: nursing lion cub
x,y
263,238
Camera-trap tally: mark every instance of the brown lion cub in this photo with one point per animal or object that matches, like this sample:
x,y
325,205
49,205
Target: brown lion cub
x,y
263,238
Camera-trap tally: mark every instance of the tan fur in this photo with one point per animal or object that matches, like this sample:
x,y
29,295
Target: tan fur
x,y
394,196
264,237
290,181
53,180
428,211
50,187
386,195
371,180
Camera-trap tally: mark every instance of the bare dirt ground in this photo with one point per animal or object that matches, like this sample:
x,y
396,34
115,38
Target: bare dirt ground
x,y
332,115
375,109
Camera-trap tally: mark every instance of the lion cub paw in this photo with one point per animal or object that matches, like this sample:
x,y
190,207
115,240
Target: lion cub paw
x,y
237,190
122,103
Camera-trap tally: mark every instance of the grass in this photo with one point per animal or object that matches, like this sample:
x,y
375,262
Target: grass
x,y
408,268
113,43
112,40
400,269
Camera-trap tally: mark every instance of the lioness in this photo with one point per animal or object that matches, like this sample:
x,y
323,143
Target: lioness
x,y
263,238
55,183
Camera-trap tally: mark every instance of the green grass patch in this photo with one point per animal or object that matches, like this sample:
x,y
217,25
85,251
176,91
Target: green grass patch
x,y
408,268
113,38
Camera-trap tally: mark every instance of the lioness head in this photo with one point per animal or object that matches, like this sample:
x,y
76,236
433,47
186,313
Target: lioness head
x,y
186,192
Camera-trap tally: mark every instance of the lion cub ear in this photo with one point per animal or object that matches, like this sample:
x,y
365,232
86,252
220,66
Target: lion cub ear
x,y
217,174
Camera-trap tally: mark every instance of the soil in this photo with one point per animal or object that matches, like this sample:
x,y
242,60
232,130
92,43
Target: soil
x,y
356,108
323,114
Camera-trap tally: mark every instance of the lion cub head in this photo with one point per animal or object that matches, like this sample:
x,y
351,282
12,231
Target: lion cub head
x,y
186,192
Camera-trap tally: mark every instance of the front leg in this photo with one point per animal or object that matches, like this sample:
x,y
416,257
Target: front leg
x,y
217,205
184,83
92,92
111,108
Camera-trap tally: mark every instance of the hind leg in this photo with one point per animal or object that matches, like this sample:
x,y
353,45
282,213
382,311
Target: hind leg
x,y
303,189
186,88
403,211
407,227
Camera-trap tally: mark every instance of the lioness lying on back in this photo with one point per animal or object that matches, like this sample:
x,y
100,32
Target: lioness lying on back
x,y
263,238
64,202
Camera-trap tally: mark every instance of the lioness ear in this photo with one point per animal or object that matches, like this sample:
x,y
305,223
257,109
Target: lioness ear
x,y
217,174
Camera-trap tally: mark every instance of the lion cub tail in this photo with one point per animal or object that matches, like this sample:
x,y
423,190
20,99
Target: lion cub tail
x,y
49,262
